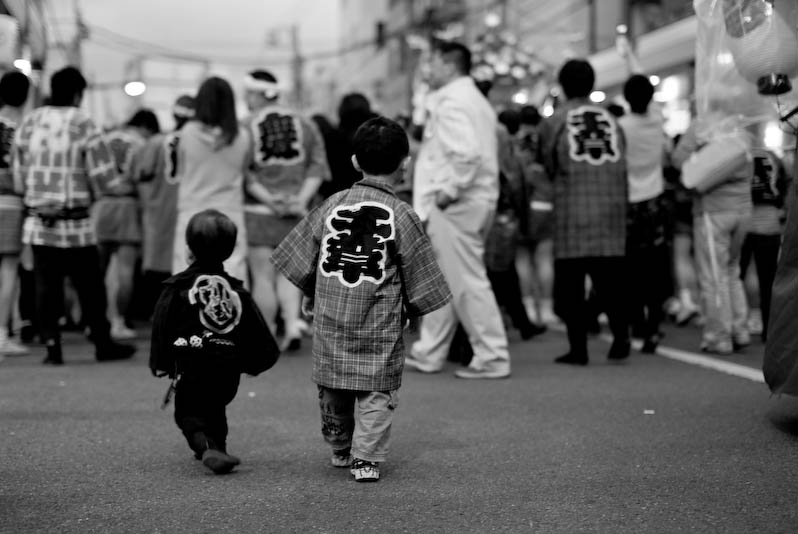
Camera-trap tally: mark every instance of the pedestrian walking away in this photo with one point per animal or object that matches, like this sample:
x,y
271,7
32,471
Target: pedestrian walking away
x,y
365,266
206,332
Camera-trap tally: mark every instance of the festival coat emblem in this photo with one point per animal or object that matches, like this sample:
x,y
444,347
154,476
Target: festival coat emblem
x,y
592,135
356,249
219,305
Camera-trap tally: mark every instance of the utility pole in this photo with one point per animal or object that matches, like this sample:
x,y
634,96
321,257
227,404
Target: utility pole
x,y
297,64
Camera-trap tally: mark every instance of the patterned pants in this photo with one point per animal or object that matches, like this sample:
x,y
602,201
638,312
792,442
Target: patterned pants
x,y
358,419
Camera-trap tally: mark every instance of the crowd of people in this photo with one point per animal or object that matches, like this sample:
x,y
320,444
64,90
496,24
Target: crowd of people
x,y
373,223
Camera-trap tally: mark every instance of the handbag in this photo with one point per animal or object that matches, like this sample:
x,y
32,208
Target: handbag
x,y
716,162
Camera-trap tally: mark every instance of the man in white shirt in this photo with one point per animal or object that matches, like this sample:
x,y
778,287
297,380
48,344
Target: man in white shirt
x,y
456,187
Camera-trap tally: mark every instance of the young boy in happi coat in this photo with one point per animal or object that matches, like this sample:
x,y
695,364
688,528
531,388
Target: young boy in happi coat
x,y
206,332
365,265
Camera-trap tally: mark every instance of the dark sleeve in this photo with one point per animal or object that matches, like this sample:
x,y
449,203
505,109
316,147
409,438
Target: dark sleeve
x,y
547,146
162,357
257,347
424,287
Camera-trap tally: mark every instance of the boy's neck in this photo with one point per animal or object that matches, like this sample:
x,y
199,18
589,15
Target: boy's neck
x,y
390,179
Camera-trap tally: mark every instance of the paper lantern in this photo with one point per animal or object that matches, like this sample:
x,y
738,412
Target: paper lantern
x,y
764,45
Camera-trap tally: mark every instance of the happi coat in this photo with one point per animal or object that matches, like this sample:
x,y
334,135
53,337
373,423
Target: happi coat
x,y
364,258
584,155
206,320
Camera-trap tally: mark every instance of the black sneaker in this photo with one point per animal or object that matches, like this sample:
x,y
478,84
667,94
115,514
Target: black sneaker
x,y
54,355
619,350
219,462
533,330
113,351
365,471
571,359
651,343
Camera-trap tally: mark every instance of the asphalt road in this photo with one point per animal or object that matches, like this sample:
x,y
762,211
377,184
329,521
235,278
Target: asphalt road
x,y
653,445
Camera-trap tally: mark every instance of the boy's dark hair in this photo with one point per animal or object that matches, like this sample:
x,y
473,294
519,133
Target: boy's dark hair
x,y
456,53
380,145
576,78
211,236
14,87
145,118
511,119
530,115
65,85
638,91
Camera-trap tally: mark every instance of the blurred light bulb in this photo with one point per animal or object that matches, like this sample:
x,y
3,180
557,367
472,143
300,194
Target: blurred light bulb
x,y
502,68
135,88
492,20
725,58
548,110
598,97
654,79
521,98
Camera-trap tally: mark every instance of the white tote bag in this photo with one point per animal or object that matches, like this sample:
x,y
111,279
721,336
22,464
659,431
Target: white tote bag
x,y
716,162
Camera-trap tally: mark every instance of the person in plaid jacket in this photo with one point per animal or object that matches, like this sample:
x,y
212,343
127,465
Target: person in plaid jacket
x,y
365,265
583,152
62,166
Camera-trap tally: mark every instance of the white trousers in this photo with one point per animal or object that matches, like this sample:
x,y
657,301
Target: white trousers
x,y
457,235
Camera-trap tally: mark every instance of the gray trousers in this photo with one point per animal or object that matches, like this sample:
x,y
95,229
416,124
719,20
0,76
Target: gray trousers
x,y
360,420
718,241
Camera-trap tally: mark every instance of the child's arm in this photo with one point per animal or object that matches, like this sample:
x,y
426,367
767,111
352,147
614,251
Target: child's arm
x,y
424,287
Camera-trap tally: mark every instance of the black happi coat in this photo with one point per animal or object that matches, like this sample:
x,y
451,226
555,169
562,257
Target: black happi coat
x,y
206,319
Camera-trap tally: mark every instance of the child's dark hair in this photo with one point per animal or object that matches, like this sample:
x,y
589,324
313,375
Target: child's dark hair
x,y
65,85
638,91
211,236
576,78
380,146
14,88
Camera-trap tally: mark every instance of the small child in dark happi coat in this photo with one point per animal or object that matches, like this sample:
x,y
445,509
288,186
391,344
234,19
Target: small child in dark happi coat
x,y
206,332
364,265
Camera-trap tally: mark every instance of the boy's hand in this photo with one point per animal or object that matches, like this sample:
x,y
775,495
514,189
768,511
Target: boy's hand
x,y
307,306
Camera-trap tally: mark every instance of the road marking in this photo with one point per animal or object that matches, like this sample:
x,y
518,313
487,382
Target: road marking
x,y
691,358
735,369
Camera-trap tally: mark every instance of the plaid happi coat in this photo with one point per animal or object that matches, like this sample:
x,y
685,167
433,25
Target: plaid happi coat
x,y
365,259
583,152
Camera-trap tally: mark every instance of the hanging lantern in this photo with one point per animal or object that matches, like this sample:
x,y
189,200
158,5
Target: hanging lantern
x,y
763,44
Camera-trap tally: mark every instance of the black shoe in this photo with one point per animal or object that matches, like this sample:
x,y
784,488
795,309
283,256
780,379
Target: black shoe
x,y
651,343
54,355
113,351
219,462
27,333
571,359
619,350
532,330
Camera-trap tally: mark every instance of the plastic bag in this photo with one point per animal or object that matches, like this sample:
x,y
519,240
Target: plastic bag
x,y
743,49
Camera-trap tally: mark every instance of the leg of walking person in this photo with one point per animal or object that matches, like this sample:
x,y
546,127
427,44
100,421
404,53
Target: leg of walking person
x,y
126,256
684,266
83,268
738,302
457,237
49,269
290,299
263,277
713,242
569,305
9,265
610,277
